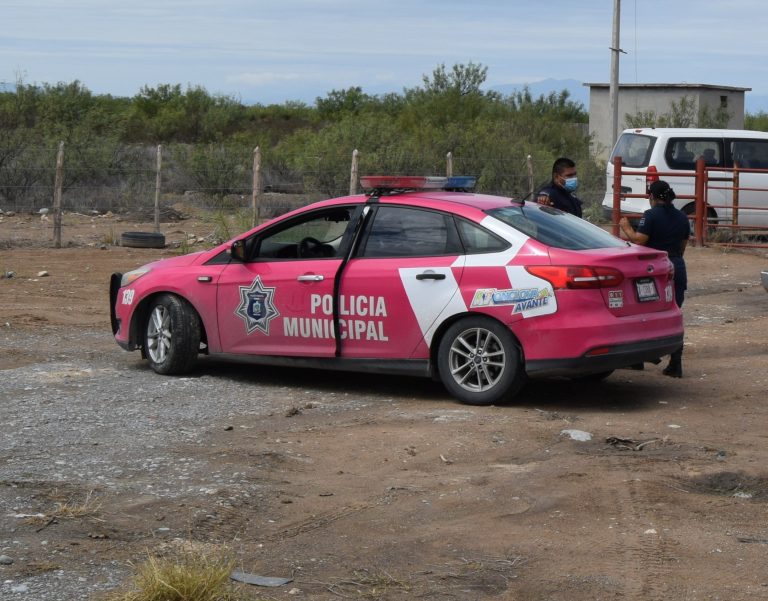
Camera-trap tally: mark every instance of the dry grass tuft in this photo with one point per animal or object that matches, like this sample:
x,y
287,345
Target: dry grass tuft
x,y
71,509
187,576
369,584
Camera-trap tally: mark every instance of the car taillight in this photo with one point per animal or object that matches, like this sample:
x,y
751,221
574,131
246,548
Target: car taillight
x,y
577,276
651,176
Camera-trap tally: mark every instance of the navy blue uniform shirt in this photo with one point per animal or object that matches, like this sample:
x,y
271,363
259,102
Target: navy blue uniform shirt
x,y
666,228
560,198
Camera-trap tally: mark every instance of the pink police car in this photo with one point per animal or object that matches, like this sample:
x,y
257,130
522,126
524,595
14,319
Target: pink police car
x,y
416,277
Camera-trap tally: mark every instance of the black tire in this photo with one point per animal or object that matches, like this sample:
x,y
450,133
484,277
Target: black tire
x,y
171,335
710,232
142,239
479,361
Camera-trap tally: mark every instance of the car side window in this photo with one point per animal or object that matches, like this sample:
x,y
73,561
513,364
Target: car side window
x,y
316,236
477,239
682,153
407,232
750,154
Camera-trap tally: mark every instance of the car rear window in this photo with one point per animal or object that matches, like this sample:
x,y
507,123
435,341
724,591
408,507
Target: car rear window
x,y
552,227
634,150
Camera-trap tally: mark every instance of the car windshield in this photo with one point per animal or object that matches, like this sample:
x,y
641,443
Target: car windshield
x,y
554,228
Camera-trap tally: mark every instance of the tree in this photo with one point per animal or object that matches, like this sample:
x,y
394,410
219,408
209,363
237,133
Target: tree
x,y
449,97
462,80
339,103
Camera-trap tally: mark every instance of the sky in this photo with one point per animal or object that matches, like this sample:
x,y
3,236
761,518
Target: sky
x,y
274,51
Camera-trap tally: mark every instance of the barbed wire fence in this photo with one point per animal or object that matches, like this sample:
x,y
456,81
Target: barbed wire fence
x,y
145,181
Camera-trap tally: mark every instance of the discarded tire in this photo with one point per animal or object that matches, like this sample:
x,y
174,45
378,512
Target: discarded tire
x,y
142,239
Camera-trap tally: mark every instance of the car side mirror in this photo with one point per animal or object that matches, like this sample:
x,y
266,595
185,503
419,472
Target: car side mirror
x,y
237,250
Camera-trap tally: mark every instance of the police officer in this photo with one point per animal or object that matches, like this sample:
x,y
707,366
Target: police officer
x,y
559,193
664,227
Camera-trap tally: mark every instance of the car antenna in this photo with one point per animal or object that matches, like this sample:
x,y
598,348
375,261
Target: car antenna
x,y
523,199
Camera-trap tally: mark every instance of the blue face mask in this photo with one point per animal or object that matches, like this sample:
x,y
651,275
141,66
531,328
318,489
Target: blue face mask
x,y
571,184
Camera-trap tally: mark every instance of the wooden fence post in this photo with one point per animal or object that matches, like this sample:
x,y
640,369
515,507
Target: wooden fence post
x,y
449,165
158,178
256,187
58,185
353,172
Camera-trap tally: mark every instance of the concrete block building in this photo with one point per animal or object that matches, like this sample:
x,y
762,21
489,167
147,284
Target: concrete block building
x,y
658,98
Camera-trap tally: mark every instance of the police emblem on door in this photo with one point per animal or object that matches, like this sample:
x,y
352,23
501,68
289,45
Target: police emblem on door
x,y
256,306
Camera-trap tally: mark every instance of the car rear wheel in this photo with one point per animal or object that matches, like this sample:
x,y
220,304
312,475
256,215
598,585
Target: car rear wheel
x,y
479,362
171,335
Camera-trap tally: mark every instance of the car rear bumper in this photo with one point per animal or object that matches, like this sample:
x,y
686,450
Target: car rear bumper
x,y
613,357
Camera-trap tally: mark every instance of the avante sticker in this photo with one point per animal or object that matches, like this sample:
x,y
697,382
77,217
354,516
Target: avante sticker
x,y
540,300
257,307
491,296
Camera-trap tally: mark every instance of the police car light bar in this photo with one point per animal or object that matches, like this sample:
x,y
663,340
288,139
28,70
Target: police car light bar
x,y
413,182
400,182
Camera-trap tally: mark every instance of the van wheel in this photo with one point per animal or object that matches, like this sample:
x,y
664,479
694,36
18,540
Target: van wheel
x,y
711,232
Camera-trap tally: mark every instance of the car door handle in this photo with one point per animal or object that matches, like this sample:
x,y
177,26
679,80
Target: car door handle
x,y
430,276
310,278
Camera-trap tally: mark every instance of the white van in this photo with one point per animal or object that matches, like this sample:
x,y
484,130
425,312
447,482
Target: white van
x,y
653,150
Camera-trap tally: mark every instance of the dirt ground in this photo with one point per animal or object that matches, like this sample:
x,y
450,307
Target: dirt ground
x,y
386,488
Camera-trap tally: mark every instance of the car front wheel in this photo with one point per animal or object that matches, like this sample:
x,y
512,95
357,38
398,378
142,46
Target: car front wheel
x,y
171,335
479,362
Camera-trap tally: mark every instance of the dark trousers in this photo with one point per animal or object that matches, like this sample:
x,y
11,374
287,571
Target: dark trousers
x,y
681,285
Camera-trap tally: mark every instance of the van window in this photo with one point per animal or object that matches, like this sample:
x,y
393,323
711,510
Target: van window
x,y
682,153
750,154
634,150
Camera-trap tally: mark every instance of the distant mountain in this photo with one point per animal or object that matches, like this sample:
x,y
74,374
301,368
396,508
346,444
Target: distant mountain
x,y
7,87
578,91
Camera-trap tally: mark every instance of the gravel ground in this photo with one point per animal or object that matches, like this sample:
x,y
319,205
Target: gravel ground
x,y
379,487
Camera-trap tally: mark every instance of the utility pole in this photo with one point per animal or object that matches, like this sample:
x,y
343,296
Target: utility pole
x,y
613,92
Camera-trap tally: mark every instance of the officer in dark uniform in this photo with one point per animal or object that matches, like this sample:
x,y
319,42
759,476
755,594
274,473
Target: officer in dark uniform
x,y
559,193
664,227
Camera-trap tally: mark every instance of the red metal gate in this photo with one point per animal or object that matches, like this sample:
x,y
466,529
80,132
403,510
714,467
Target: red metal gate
x,y
713,223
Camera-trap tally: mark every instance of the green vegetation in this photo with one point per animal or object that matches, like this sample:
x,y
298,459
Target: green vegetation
x,y
758,121
208,140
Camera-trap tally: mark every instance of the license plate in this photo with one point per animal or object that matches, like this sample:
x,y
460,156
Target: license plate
x,y
646,290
